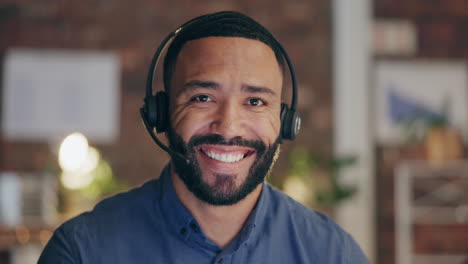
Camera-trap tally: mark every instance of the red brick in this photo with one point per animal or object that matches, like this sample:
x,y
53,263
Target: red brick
x,y
456,8
441,239
421,8
462,38
438,39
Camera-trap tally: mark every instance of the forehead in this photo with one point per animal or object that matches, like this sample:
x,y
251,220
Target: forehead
x,y
228,58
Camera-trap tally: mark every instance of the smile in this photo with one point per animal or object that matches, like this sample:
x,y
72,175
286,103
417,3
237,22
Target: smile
x,y
224,155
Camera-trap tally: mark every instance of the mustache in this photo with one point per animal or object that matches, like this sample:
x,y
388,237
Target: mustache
x,y
216,139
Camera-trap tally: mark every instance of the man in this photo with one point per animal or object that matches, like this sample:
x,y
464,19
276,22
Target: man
x,y
223,75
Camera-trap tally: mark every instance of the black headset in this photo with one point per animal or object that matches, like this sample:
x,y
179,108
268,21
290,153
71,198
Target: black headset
x,y
155,110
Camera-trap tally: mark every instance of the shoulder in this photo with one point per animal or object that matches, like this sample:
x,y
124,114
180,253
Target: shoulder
x,y
309,226
124,201
120,208
112,212
90,230
299,213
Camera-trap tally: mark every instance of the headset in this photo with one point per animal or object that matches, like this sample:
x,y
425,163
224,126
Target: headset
x,y
155,109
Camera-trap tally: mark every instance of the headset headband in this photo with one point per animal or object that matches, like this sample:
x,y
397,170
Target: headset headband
x,y
168,40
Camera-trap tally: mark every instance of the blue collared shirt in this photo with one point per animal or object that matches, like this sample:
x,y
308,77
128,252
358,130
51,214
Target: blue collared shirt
x,y
150,225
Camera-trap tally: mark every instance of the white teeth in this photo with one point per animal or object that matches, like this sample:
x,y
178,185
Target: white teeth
x,y
225,157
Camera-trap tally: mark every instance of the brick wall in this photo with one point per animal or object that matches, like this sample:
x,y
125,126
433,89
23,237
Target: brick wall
x,y
441,25
134,30
442,28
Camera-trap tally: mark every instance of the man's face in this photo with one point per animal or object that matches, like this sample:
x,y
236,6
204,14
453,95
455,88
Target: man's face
x,y
225,116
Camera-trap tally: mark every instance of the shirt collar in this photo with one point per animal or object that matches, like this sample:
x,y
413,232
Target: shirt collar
x,y
181,222
256,218
177,217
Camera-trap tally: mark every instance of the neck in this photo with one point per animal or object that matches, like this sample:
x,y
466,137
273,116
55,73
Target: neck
x,y
221,224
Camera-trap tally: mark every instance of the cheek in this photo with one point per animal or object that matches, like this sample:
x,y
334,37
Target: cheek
x,y
269,127
187,123
265,126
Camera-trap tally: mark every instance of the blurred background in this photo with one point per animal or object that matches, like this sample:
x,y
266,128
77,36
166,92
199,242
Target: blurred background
x,y
383,99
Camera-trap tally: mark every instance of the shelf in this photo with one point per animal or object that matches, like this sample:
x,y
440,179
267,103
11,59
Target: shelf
x,y
431,212
11,237
441,215
437,259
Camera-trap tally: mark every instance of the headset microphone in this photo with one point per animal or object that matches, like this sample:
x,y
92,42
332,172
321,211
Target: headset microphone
x,y
171,152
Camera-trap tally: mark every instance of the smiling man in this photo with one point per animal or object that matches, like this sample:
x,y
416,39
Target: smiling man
x,y
223,76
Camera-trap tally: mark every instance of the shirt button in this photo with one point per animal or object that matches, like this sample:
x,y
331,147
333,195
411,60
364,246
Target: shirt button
x,y
194,227
183,231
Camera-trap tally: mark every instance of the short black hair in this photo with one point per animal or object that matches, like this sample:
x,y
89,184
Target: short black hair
x,y
220,24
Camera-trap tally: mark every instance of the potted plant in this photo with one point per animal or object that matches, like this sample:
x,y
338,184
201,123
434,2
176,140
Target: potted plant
x,y
314,180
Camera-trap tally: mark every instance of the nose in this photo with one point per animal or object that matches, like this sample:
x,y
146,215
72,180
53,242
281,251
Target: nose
x,y
228,120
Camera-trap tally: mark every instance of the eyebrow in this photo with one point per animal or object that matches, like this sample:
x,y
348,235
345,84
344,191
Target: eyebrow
x,y
197,84
258,89
202,84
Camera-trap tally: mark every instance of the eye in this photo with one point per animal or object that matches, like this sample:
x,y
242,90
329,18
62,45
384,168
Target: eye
x,y
201,98
255,102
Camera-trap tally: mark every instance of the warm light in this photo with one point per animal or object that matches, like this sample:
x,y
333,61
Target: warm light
x,y
76,180
78,161
295,188
44,236
22,235
83,176
73,152
91,161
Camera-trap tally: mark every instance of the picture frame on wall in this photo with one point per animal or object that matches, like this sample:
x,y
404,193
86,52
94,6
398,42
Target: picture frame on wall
x,y
50,93
412,95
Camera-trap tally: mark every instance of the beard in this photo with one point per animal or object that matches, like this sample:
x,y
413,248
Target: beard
x,y
224,190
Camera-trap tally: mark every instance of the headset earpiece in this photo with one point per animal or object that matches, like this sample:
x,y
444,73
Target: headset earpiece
x,y
162,102
290,123
156,111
